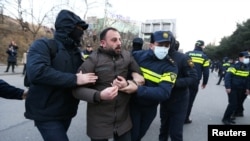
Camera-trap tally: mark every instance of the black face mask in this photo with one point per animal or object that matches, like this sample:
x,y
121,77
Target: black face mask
x,y
76,35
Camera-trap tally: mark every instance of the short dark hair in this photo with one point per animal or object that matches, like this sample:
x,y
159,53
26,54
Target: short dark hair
x,y
199,43
104,32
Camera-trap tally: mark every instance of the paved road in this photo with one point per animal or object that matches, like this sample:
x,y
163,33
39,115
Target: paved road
x,y
208,109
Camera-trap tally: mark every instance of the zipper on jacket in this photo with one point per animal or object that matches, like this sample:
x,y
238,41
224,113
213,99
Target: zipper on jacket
x,y
115,67
115,113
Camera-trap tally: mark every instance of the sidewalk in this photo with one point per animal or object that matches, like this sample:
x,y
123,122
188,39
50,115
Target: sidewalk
x,y
18,70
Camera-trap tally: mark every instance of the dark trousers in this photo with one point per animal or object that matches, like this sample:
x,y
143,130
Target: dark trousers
x,y
220,78
12,64
142,117
172,114
53,130
241,98
24,69
124,137
193,90
232,103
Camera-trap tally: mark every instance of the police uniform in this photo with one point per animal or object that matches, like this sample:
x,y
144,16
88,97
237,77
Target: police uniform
x,y
173,110
236,79
223,69
201,63
160,76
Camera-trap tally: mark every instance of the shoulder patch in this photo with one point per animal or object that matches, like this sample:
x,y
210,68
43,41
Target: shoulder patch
x,y
173,76
190,63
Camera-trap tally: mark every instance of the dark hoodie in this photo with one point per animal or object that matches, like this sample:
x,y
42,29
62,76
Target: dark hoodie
x,y
65,24
50,92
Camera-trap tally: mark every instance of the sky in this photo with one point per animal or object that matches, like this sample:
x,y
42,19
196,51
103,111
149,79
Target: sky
x,y
208,20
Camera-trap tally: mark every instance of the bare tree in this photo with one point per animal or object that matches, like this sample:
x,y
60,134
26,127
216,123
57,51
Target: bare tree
x,y
89,5
1,14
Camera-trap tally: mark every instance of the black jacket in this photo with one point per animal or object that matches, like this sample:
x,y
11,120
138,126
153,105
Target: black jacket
x,y
10,92
50,93
187,74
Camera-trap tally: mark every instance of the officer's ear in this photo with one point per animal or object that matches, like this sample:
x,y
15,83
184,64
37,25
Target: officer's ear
x,y
152,46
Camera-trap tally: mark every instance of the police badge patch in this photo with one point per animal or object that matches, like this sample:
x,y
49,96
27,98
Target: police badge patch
x,y
190,63
173,76
165,35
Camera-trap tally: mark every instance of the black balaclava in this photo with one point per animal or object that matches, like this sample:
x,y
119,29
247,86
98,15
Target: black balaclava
x,y
76,35
67,25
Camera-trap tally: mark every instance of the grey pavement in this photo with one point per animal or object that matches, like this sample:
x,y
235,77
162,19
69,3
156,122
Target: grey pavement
x,y
18,70
208,109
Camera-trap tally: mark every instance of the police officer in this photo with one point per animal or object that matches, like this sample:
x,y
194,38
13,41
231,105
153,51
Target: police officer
x,y
177,45
159,71
87,51
222,70
201,63
236,84
137,44
173,110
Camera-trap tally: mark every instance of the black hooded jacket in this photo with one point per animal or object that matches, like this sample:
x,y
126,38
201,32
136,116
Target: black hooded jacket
x,y
52,79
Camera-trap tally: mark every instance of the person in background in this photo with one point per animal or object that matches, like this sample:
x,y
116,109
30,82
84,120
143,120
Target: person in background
x,y
177,45
137,44
24,61
87,51
237,87
160,73
201,64
223,68
173,110
108,107
12,56
11,92
50,102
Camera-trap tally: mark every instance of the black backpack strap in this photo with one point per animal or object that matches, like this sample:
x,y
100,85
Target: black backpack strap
x,y
53,48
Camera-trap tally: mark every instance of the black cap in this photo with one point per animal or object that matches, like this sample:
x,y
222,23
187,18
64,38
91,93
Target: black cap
x,y
199,43
225,59
244,53
138,40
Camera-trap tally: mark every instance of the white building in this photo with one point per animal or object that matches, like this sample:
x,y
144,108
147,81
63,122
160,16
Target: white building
x,y
151,26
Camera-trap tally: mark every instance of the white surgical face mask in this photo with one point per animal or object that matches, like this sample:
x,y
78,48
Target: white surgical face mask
x,y
246,60
161,52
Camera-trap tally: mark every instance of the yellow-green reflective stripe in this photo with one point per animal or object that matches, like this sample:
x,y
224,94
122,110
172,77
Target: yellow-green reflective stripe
x,y
242,73
157,78
231,69
206,64
238,72
197,60
85,56
226,64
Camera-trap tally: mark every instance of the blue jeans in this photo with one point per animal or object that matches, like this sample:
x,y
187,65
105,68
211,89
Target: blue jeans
x,y
54,130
